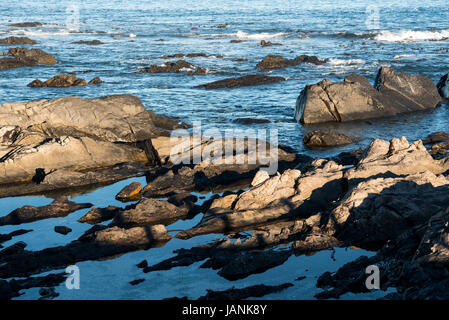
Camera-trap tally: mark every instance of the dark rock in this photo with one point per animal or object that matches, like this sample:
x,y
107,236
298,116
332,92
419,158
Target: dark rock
x,y
256,291
17,40
350,158
327,138
91,42
98,215
131,192
63,230
435,137
170,67
250,80
236,41
355,98
264,43
95,80
136,282
48,293
22,57
248,121
142,264
59,81
26,24
9,236
58,208
443,86
277,62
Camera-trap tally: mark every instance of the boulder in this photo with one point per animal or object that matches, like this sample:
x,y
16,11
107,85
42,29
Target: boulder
x,y
443,86
131,192
277,62
63,230
250,80
355,99
22,57
176,67
59,81
435,137
327,138
17,40
264,43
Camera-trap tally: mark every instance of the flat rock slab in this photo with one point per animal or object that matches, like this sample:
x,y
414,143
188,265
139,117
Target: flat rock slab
x,y
250,80
17,40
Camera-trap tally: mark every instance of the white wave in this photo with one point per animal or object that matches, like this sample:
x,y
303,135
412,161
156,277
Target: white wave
x,y
132,35
342,62
257,36
40,33
399,56
410,35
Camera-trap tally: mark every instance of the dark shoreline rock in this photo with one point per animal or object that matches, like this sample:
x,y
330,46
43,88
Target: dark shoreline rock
x,y
249,80
89,42
26,24
256,291
327,139
176,67
22,57
278,62
17,40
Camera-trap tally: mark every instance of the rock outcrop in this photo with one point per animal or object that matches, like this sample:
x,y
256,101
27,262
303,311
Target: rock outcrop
x,y
326,139
22,57
63,81
355,99
278,62
17,40
176,67
250,80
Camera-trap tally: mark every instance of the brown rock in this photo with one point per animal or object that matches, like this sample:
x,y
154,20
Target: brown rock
x,y
250,80
327,138
131,192
17,40
277,62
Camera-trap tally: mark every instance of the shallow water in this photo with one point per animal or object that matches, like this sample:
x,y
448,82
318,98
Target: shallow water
x,y
411,36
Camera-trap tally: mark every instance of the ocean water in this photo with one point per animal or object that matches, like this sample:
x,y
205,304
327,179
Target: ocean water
x,y
355,36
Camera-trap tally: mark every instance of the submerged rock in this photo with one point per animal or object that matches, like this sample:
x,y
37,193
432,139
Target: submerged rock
x,y
277,62
17,40
355,99
250,80
327,138
22,57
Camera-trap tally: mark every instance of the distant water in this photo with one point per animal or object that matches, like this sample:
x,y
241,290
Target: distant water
x,y
410,36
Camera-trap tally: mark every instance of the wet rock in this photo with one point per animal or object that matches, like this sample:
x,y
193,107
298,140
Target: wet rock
x,y
99,243
26,24
48,293
248,263
327,138
10,289
59,81
355,99
435,137
175,67
17,247
250,80
98,215
439,149
131,192
256,291
142,264
314,241
63,230
58,208
247,121
17,40
89,42
22,57
136,282
264,43
348,158
278,62
443,86
95,80
9,236
236,41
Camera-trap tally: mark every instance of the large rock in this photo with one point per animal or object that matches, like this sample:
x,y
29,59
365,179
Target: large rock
x,y
277,62
22,57
250,80
117,118
17,40
355,99
59,81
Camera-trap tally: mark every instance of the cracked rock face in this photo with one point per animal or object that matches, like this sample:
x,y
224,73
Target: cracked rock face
x,y
356,99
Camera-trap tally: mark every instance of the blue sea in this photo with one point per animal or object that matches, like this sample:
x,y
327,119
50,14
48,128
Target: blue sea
x,y
354,36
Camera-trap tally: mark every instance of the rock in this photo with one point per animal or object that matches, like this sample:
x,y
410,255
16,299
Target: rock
x,y
443,86
58,208
26,24
327,138
175,67
256,291
22,57
439,149
136,282
98,243
17,40
95,80
89,42
47,293
149,212
59,81
264,43
355,98
131,192
250,80
248,263
236,41
98,215
10,289
260,177
435,137
9,236
247,121
277,62
63,230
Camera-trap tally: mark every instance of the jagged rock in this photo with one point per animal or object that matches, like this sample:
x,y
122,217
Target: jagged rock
x,y
12,288
95,80
256,291
443,86
58,208
175,67
131,192
277,62
250,80
59,81
17,40
89,42
22,57
261,176
98,215
327,138
355,98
